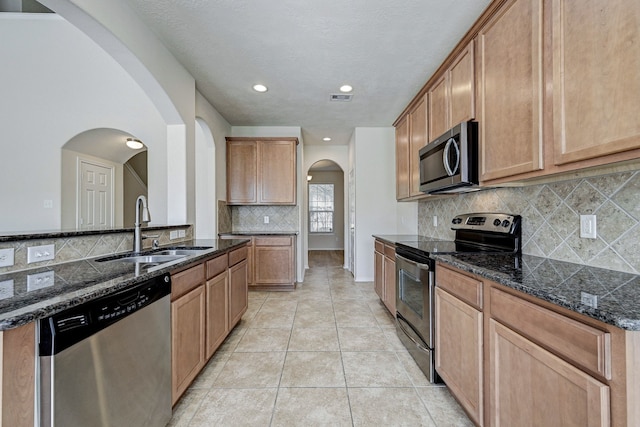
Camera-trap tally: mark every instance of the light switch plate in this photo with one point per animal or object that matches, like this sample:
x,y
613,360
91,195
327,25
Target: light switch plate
x,y
6,289
40,253
588,226
40,280
6,257
173,234
182,233
589,299
266,219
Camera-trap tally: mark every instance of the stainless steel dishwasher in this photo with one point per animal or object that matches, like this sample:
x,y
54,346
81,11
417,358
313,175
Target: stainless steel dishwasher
x,y
108,362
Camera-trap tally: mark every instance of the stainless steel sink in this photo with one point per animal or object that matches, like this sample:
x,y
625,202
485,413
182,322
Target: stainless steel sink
x,y
178,252
148,259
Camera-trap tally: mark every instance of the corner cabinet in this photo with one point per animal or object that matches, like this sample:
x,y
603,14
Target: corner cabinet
x,y
261,171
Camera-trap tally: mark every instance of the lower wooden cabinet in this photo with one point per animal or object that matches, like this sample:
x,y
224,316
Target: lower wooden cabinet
x,y
207,301
238,292
187,339
532,387
385,274
17,376
273,258
458,344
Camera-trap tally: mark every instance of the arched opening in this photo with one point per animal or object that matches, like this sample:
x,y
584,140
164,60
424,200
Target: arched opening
x,y
325,219
206,211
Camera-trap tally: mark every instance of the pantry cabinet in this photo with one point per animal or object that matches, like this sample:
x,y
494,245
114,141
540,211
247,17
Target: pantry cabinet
x,y
261,171
510,91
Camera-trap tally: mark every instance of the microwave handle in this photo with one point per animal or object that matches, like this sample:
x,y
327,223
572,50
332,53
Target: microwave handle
x,y
445,157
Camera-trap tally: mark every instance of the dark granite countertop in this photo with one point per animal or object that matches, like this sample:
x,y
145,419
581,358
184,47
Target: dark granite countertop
x,y
79,281
61,233
395,238
560,283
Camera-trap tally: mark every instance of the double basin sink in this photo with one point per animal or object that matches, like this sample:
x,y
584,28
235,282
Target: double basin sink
x,y
155,257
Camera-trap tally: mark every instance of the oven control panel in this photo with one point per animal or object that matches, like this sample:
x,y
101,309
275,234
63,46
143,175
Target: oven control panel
x,y
492,222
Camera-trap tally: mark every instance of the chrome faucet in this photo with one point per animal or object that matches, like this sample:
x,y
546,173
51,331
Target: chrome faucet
x,y
137,233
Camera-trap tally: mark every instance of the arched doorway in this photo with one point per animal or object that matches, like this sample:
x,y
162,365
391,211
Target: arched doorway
x,y
206,211
325,219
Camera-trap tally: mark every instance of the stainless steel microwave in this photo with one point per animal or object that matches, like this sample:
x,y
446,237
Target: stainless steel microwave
x,y
449,163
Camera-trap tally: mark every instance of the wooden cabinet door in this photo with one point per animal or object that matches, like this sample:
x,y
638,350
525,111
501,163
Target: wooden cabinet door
x,y
18,358
187,339
242,163
462,88
438,119
510,91
273,264
217,318
596,78
277,172
238,292
458,351
378,277
402,159
389,288
529,386
417,140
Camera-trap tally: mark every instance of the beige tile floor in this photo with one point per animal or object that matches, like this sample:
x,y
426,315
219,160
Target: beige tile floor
x,y
324,355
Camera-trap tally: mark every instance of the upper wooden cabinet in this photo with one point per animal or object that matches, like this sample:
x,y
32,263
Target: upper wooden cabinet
x,y
510,91
417,140
261,171
452,96
402,159
596,78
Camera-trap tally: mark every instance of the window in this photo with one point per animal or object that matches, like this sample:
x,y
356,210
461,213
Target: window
x,y
321,208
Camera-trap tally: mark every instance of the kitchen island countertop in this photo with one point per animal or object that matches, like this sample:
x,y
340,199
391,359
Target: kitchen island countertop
x,y
22,301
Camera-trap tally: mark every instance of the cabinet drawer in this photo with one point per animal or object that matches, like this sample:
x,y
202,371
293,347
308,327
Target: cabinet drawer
x,y
390,251
237,255
216,266
186,280
581,344
378,246
273,241
464,287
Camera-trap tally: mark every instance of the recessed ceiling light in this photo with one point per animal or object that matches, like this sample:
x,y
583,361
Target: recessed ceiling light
x,y
134,143
260,88
346,88
326,138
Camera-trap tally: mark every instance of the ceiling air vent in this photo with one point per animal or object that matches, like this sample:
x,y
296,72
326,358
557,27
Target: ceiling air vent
x,y
340,97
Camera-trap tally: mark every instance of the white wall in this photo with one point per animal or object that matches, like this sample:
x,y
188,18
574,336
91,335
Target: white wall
x,y
56,83
372,151
206,205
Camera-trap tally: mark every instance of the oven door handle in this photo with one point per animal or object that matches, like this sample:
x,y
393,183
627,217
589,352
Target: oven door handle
x,y
400,322
417,264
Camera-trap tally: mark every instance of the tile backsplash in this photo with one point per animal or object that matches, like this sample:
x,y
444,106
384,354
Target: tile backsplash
x,y
551,218
251,218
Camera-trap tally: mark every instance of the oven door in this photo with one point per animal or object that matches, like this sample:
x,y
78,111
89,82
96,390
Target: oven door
x,y
415,296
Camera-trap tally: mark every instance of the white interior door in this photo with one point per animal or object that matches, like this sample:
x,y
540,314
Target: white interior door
x,y
95,198
352,221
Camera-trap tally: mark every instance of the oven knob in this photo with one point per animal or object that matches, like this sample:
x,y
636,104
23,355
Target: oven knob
x,y
496,222
506,223
456,220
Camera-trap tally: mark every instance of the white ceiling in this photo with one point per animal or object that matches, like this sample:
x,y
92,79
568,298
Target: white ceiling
x,y
304,50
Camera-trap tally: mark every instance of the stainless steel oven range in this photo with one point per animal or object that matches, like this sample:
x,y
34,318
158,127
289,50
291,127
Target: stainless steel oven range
x,y
415,276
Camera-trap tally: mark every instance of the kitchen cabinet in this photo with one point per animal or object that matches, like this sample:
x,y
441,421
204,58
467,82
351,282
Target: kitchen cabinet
x,y
385,274
261,171
452,96
510,91
274,263
459,339
187,328
596,57
18,364
402,159
207,301
411,136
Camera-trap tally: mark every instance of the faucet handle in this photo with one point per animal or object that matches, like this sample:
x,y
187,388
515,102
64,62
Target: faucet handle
x,y
149,236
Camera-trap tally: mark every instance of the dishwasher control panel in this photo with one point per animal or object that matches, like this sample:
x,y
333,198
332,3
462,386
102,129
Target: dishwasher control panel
x,y
64,329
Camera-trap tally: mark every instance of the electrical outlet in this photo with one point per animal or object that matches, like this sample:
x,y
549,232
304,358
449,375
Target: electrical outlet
x,y
435,220
6,289
182,233
174,234
588,226
589,299
266,219
6,257
40,280
40,253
